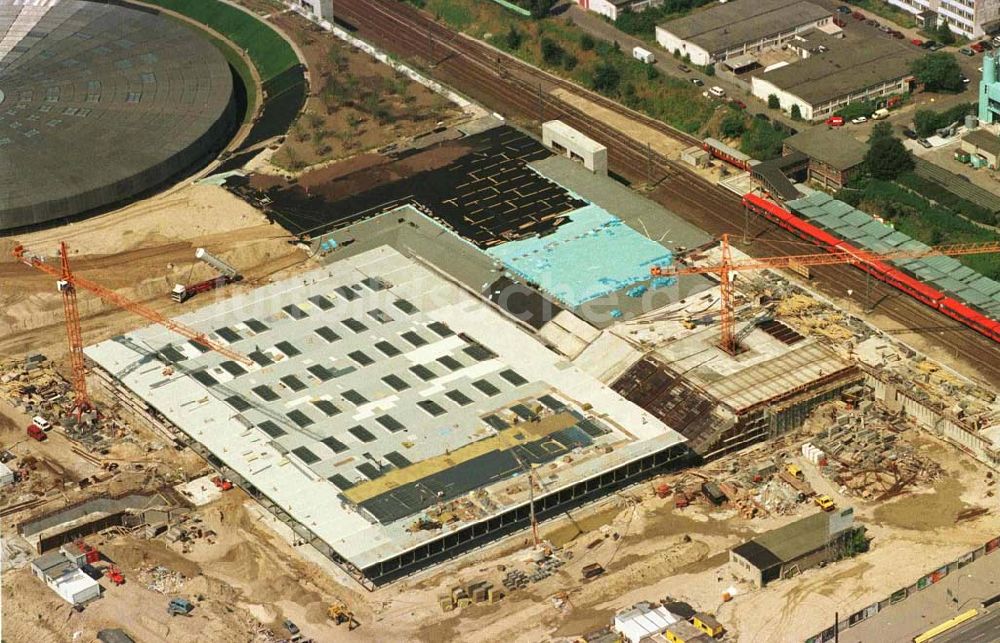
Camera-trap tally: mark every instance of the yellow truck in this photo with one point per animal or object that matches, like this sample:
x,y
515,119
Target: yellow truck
x,y
825,503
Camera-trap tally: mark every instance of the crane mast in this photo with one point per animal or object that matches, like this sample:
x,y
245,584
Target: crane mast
x,y
68,283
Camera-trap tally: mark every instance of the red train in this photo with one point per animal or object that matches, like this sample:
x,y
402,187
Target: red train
x,y
724,152
878,269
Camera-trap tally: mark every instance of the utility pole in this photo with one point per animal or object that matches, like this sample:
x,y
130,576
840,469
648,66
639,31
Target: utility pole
x,y
541,105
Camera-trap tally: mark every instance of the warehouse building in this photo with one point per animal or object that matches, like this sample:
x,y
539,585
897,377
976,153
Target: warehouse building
x,y
790,550
984,145
728,30
969,18
65,578
834,156
388,416
856,69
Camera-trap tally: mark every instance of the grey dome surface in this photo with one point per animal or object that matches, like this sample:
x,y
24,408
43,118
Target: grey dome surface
x,y
101,102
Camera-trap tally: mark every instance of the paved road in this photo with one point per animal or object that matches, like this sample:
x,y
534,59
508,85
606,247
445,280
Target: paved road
x,y
983,629
967,586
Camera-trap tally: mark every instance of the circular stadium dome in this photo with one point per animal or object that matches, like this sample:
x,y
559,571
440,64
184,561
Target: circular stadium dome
x,y
99,103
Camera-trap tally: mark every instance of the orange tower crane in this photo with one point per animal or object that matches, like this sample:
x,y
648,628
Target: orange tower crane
x,y
726,269
68,282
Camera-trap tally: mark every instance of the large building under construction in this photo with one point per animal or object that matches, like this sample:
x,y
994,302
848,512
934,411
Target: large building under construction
x,y
388,416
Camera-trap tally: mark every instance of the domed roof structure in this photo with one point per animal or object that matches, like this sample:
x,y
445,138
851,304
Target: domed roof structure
x,y
99,103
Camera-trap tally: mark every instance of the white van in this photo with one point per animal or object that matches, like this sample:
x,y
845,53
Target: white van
x,y
41,423
643,55
717,91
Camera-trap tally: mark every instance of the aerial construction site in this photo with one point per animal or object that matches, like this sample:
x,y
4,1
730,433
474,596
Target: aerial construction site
x,y
322,329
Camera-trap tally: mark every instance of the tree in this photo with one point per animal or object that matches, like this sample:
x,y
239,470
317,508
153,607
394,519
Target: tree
x,y
514,38
709,70
887,158
938,71
569,62
762,141
733,125
773,102
539,8
606,78
796,112
587,42
880,130
944,34
855,109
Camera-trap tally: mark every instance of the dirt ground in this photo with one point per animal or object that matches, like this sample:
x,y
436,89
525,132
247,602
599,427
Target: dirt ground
x,y
140,251
356,103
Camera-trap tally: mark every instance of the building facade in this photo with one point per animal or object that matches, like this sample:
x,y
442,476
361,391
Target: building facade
x,y
612,9
319,8
970,18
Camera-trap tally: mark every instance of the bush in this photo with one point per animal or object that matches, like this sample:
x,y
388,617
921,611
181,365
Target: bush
x,y
514,38
643,23
763,140
569,62
940,194
926,122
606,78
552,52
773,102
733,125
709,70
796,112
854,110
587,42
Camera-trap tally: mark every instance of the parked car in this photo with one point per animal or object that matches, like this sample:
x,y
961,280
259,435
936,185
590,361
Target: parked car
x,y
697,82
835,121
965,51
965,79
844,9
928,44
924,143
825,503
859,120
36,433
908,133
976,47
871,22
717,91
935,46
684,68
898,35
41,423
291,627
858,15
918,42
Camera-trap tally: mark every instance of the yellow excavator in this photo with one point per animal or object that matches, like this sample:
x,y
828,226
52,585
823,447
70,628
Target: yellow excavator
x,y
339,614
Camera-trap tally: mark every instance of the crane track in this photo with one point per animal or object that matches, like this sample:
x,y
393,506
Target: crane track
x,y
513,87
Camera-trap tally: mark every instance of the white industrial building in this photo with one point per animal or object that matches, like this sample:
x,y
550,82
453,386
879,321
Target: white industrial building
x,y
732,29
853,69
611,9
319,8
565,140
65,578
970,18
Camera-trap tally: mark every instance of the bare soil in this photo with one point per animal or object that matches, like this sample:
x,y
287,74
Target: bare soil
x,y
356,103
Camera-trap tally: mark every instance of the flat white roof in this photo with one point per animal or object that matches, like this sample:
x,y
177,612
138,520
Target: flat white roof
x,y
266,441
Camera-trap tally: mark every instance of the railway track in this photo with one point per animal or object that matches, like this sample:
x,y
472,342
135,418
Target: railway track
x,y
514,88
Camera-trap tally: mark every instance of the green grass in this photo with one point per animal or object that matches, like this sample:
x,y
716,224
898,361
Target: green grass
x,y
880,8
269,52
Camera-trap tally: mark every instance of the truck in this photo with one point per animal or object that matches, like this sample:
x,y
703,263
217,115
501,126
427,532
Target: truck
x,y
825,503
37,433
227,275
643,55
879,114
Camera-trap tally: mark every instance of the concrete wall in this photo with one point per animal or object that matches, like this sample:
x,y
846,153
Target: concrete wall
x,y
953,429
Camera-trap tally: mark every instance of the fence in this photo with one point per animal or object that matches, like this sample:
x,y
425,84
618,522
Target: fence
x,y
903,593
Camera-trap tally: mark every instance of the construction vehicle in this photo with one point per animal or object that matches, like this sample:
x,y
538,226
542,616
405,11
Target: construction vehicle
x,y
825,503
67,283
793,469
180,606
339,614
227,275
727,268
222,483
36,433
115,575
